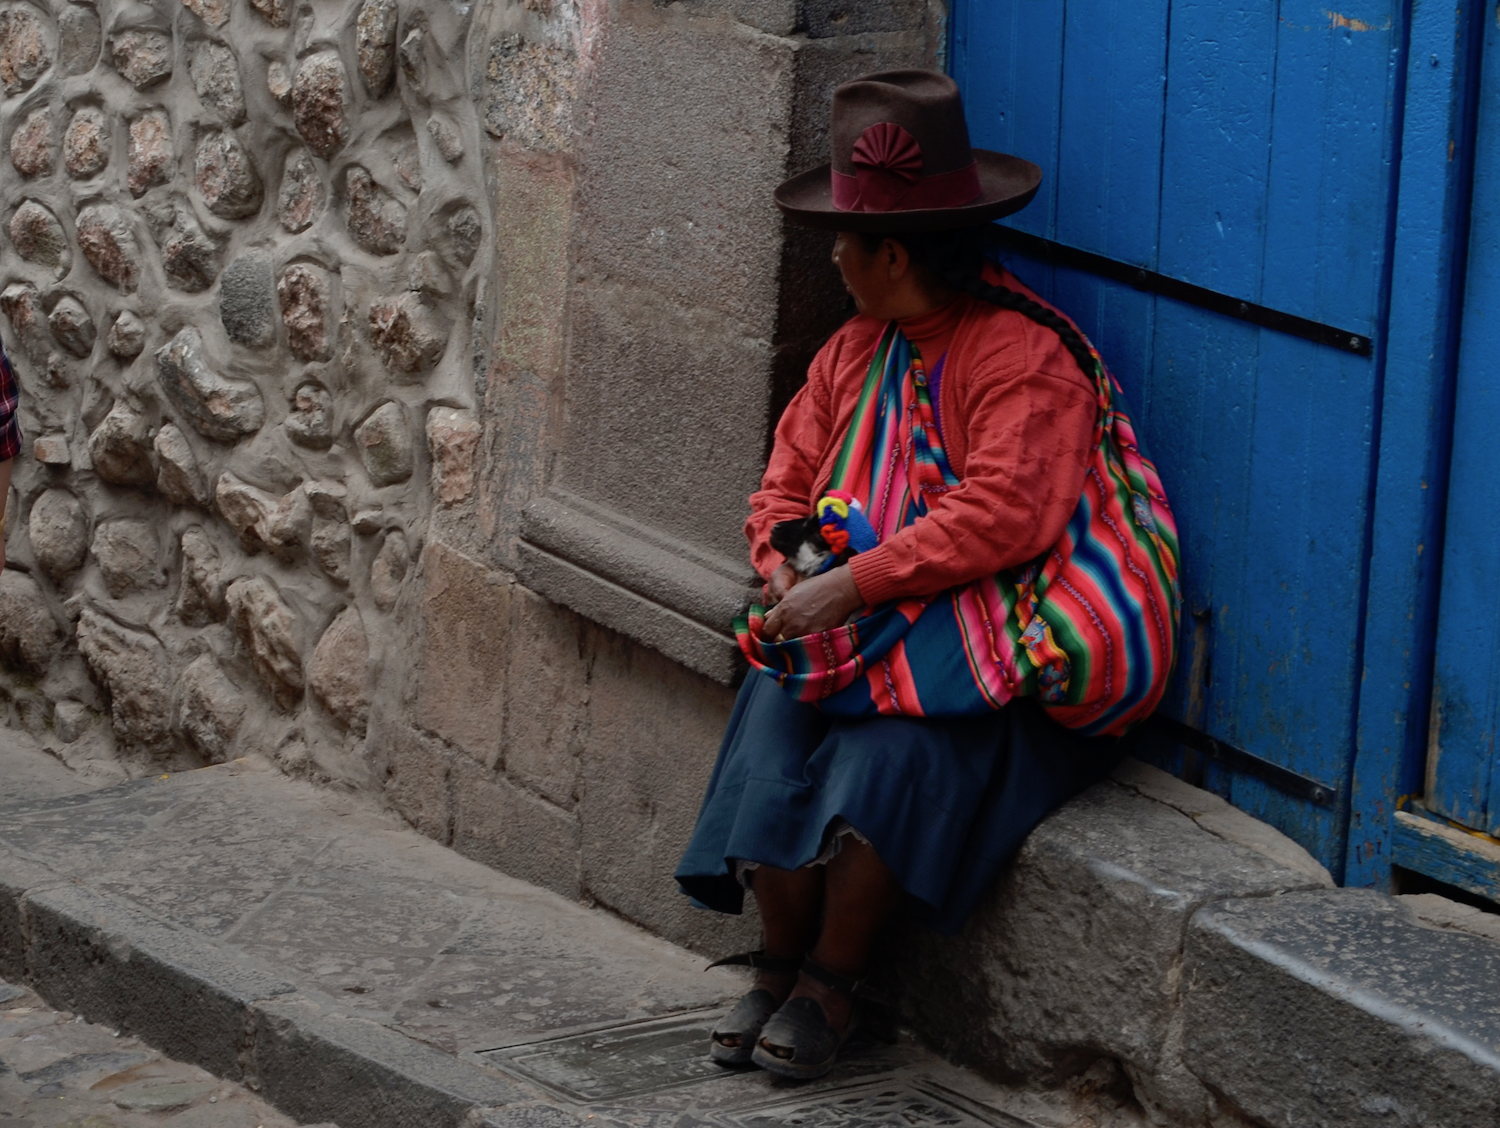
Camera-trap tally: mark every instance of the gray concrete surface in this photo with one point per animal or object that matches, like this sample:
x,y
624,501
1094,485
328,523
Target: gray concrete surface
x,y
1108,947
1074,962
349,970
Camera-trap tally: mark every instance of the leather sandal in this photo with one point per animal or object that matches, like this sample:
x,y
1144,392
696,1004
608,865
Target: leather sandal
x,y
745,1019
798,1041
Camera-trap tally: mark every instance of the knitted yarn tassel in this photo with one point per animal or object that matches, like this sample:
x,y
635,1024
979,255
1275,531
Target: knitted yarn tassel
x,y
844,526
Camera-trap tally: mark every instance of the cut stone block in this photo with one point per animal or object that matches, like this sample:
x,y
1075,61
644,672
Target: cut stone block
x,y
1078,952
1338,1008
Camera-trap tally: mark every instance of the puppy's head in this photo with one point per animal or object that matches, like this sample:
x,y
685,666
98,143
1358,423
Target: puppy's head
x,y
802,545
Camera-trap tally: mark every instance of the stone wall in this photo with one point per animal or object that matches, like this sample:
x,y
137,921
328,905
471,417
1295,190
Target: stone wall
x,y
246,250
394,378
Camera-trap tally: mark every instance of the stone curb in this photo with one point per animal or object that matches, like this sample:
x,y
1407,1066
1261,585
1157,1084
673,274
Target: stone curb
x,y
316,1066
108,961
16,877
1149,930
1340,1008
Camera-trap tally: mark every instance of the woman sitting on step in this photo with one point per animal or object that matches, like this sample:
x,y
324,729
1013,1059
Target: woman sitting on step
x,y
898,734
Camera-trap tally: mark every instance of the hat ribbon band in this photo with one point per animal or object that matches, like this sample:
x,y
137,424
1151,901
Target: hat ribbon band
x,y
881,190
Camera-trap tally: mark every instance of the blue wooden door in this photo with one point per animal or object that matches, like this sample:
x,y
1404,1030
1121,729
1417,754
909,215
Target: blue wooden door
x,y
1248,148
1463,771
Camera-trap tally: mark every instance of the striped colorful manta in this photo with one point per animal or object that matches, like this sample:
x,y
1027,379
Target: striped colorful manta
x,y
1090,629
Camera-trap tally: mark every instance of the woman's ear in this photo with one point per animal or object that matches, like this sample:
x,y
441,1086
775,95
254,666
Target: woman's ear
x,y
897,258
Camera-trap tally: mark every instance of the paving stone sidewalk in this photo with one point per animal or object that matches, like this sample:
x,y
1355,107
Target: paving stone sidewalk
x,y
58,1071
352,971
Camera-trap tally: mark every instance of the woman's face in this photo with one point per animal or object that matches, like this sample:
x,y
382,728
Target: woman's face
x,y
867,275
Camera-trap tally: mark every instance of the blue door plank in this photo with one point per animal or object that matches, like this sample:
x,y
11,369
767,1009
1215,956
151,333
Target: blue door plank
x,y
1481,345
1300,589
1463,781
1415,430
1032,272
1113,105
1200,424
1007,60
1203,400
1466,678
1113,102
1330,169
1202,405
1298,597
1220,66
1428,846
1119,321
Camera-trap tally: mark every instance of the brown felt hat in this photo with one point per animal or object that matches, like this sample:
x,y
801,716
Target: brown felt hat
x,y
902,162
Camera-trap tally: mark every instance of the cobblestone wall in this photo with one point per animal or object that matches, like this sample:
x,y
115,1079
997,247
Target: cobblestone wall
x,y
241,274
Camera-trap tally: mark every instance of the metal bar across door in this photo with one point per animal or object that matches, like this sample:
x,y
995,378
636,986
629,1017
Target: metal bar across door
x,y
1149,281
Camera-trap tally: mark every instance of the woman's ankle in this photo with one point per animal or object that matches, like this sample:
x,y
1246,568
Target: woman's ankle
x,y
838,1007
778,983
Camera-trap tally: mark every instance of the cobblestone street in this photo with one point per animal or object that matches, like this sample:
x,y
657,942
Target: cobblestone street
x,y
58,1071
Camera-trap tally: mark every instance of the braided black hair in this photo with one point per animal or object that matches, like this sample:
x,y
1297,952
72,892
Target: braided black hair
x,y
956,260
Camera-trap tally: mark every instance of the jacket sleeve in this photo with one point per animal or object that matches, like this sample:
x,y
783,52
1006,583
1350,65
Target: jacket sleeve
x,y
10,425
801,438
1029,421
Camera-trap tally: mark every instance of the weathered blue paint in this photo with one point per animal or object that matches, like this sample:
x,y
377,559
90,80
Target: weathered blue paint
x,y
1428,233
1463,773
1016,94
1248,148
1435,848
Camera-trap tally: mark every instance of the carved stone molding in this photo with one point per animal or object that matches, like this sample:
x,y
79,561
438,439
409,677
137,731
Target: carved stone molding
x,y
653,588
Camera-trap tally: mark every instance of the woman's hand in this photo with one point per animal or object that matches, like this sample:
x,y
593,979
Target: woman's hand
x,y
783,580
816,604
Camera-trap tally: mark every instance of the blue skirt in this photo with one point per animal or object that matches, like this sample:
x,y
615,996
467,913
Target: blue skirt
x,y
945,802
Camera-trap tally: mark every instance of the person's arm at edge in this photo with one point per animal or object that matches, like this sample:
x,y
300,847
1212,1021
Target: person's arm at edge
x,y
4,498
10,438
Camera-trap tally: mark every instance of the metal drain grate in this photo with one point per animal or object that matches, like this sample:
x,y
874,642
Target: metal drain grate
x,y
620,1062
884,1102
618,1071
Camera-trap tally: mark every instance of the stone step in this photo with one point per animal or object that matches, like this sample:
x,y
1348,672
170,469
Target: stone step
x,y
1153,931
351,971
1152,957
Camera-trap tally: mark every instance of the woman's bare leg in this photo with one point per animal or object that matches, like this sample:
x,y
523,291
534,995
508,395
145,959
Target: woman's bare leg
x,y
860,893
791,906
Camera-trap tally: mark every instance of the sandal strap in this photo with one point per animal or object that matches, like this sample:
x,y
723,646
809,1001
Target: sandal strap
x,y
832,979
777,965
854,988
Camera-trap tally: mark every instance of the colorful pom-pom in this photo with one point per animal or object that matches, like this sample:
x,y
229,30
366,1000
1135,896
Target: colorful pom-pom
x,y
837,538
843,524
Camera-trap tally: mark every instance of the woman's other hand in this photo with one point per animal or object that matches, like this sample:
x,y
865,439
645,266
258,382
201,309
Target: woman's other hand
x,y
783,580
815,604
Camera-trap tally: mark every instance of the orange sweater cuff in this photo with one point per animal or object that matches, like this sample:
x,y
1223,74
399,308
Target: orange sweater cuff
x,y
874,574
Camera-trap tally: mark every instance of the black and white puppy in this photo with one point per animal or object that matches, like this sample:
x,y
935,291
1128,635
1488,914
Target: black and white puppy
x,y
802,545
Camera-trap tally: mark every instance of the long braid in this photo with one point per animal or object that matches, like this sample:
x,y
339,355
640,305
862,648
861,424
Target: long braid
x,y
1010,299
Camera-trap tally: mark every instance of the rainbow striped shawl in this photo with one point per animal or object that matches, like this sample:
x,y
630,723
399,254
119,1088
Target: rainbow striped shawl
x,y
1089,628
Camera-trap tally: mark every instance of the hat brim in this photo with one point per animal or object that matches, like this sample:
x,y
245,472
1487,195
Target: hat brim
x,y
1007,185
